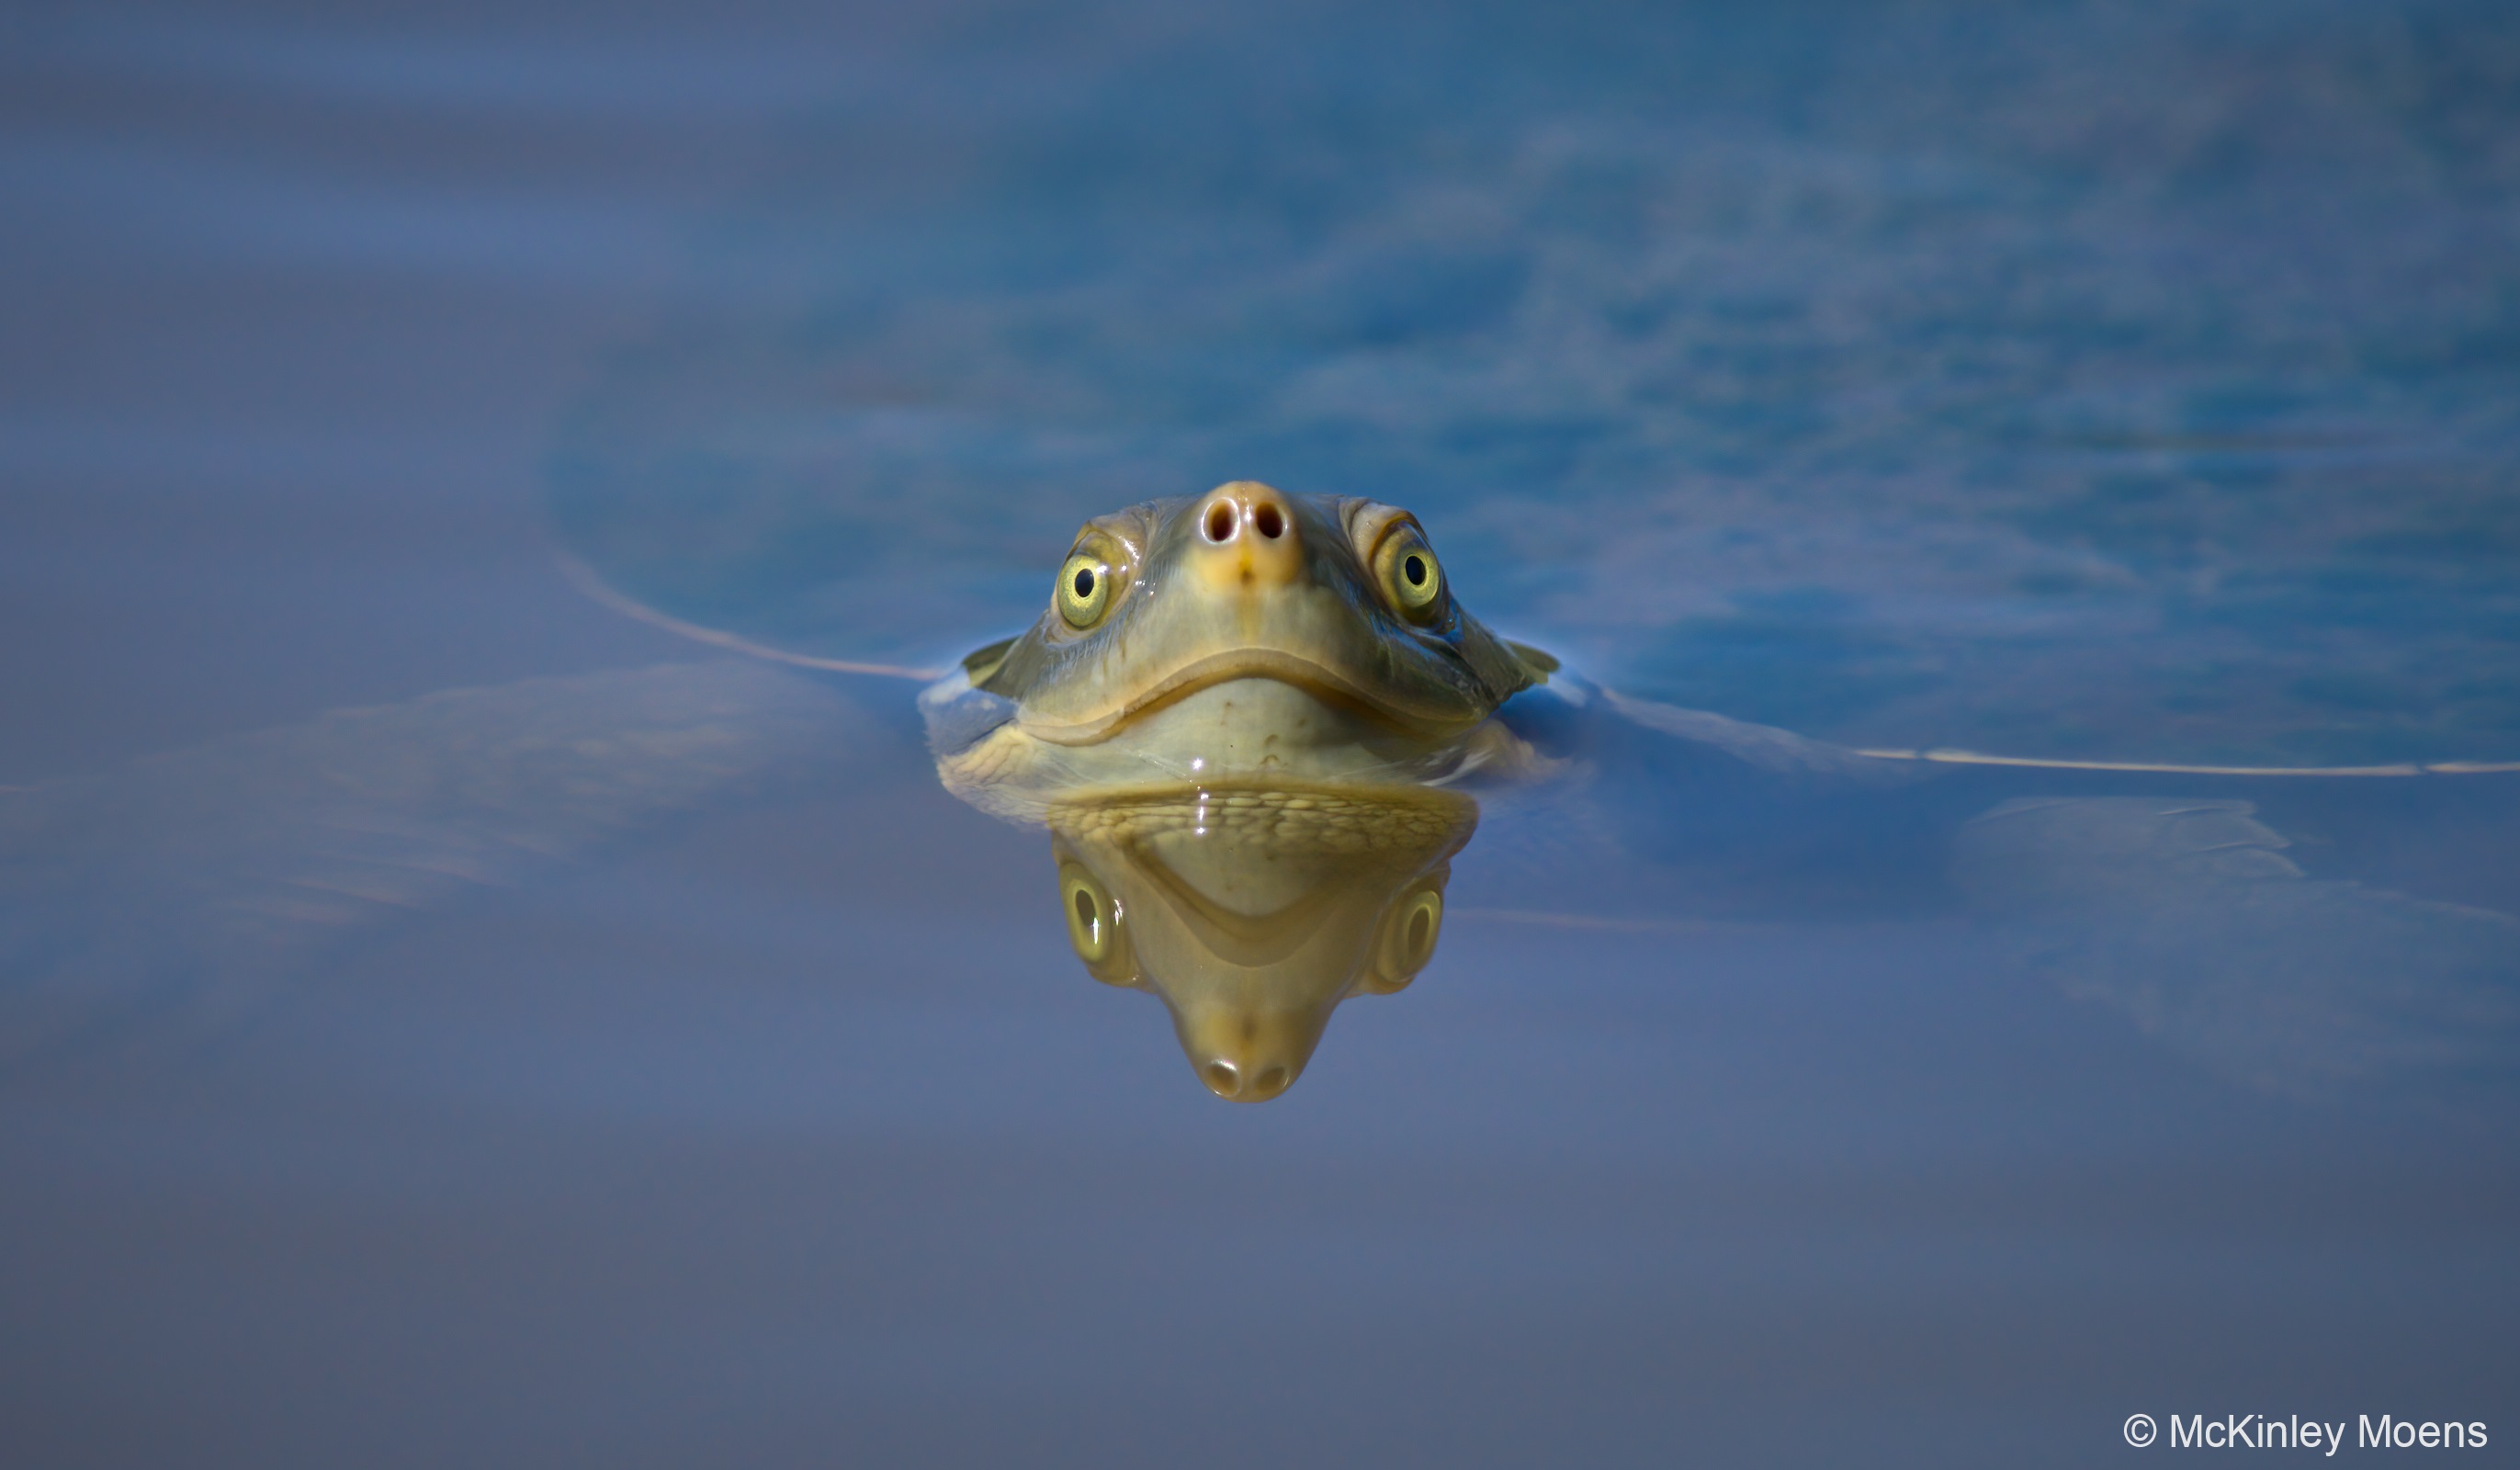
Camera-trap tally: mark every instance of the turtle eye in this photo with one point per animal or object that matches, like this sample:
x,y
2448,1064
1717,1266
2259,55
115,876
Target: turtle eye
x,y
1093,925
1407,940
1412,579
1084,589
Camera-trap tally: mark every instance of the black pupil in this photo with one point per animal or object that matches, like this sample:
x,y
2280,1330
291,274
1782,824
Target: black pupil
x,y
1084,581
1415,569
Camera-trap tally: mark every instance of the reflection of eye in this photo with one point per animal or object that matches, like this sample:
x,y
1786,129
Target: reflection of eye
x,y
1093,925
1407,942
1089,915
1410,576
1084,589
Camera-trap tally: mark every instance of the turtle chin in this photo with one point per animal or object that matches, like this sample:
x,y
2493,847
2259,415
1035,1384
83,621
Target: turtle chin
x,y
1260,726
1275,726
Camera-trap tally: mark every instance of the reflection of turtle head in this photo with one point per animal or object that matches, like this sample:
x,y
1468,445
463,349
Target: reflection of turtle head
x,y
1254,912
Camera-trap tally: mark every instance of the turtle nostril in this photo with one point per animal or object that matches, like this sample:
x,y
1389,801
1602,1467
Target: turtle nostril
x,y
1269,521
1270,1082
1222,1078
1220,521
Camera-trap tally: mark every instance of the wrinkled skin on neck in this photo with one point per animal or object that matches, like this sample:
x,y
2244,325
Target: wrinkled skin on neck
x,y
1247,634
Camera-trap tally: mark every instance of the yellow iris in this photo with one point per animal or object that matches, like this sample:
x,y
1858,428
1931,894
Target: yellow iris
x,y
1407,940
1085,589
1093,925
1410,576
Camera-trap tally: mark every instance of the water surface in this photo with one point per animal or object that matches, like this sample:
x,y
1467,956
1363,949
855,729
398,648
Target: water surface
x,y
447,1020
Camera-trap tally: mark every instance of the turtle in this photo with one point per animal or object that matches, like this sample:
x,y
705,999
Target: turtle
x,y
1260,728
1231,689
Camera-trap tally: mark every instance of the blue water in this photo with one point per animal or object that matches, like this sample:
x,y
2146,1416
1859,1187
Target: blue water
x,y
634,1056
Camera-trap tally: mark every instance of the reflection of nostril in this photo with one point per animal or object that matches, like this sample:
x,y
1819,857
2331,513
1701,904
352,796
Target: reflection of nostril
x,y
1222,1080
1268,522
1220,521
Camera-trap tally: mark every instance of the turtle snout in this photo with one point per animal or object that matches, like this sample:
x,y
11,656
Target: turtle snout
x,y
1237,1083
1247,1053
1247,538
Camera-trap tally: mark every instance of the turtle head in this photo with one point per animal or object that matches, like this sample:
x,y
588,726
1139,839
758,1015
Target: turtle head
x,y
1248,631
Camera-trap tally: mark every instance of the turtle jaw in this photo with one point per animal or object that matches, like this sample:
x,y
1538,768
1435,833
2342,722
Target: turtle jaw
x,y
1237,727
1279,684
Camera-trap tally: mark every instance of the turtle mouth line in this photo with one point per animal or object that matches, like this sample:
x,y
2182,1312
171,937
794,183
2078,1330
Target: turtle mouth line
x,y
1320,683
